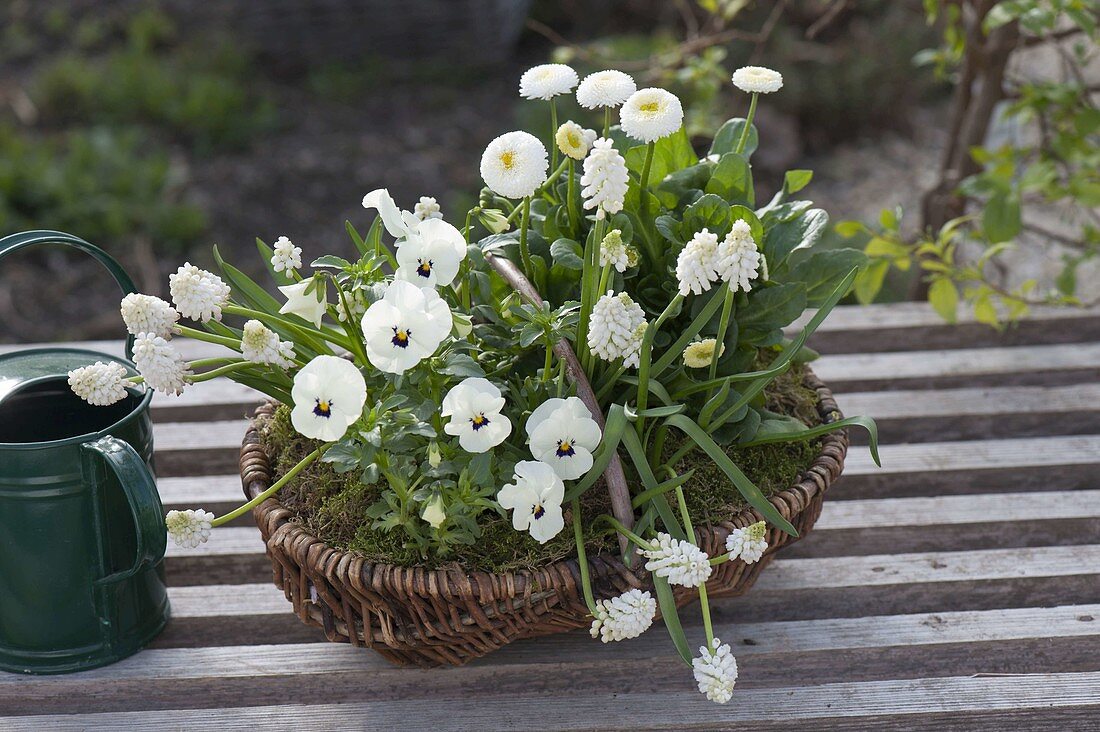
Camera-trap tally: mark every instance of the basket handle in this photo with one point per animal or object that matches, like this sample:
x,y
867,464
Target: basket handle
x,y
14,242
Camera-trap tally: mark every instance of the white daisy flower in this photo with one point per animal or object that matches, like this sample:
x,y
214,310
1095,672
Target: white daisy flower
x,y
562,433
534,500
614,252
162,365
260,344
624,617
748,543
700,354
397,222
328,395
189,528
309,306
605,179
100,384
715,671
474,406
681,562
198,294
434,512
573,140
696,263
547,81
514,165
616,328
431,254
427,208
650,114
405,327
757,80
737,259
605,89
148,314
286,257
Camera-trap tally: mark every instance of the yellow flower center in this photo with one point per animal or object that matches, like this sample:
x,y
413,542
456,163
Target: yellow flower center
x,y
574,139
323,408
401,337
650,107
565,449
508,159
479,421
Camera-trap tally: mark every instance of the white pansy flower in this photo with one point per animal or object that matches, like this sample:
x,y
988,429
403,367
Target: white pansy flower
x,y
534,500
748,543
260,344
700,354
757,80
624,617
616,328
100,384
715,670
737,260
514,165
148,314
547,81
696,263
189,528
328,395
397,222
650,114
405,327
614,252
573,140
309,306
605,89
431,254
562,433
681,562
198,294
162,365
286,257
427,208
474,406
605,179
434,512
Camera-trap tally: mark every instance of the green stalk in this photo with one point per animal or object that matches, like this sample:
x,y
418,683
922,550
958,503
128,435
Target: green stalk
x,y
570,204
605,277
748,125
723,325
290,475
592,244
540,190
582,559
548,363
222,371
606,121
553,132
524,252
703,604
202,335
351,327
644,183
647,357
645,545
307,334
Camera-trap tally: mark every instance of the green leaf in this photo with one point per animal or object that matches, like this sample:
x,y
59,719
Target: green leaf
x,y
662,488
461,366
638,457
567,253
944,297
670,614
769,309
795,180
732,180
869,281
670,154
821,271
725,140
783,238
331,261
357,240
247,290
1001,218
613,430
710,212
823,429
676,350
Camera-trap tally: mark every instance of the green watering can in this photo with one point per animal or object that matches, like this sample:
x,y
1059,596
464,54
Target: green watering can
x,y
82,535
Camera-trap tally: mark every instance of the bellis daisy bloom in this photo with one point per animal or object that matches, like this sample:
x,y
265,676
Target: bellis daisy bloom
x,y
547,81
189,528
757,80
737,259
700,354
605,89
562,433
286,257
605,179
681,562
534,500
310,305
715,670
474,407
624,617
198,294
148,314
431,254
617,327
397,222
695,265
405,327
162,366
573,140
614,252
100,384
748,543
427,208
514,165
260,344
650,114
328,394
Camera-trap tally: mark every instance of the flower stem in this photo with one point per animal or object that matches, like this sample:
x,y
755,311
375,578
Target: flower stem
x,y
222,371
719,341
645,545
703,604
540,190
588,295
553,132
748,126
524,251
202,335
582,559
644,183
308,334
646,358
351,327
606,121
275,487
571,204
605,276
548,363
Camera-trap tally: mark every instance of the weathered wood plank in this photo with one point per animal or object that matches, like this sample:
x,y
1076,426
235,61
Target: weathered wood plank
x,y
940,510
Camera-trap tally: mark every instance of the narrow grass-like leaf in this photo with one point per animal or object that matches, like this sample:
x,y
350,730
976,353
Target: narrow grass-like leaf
x,y
613,431
649,481
662,488
676,350
670,614
811,432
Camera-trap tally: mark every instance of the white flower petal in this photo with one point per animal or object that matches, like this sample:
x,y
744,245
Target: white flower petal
x,y
514,165
650,114
328,394
608,88
547,81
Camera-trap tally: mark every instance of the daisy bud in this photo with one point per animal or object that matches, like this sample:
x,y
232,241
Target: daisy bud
x,y
616,328
748,543
605,179
573,140
99,384
695,266
681,562
162,366
757,80
614,251
624,617
189,528
260,344
198,294
427,208
650,114
494,220
547,81
605,89
514,165
286,256
148,314
700,354
737,259
715,671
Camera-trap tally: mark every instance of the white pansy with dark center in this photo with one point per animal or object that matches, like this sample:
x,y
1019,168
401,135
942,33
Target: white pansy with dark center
x,y
573,140
605,179
189,528
431,254
617,328
514,165
737,259
148,314
307,299
100,384
198,294
650,114
427,208
748,543
328,395
534,500
608,88
562,434
624,617
614,252
286,257
547,81
474,406
715,670
700,354
757,80
405,327
397,222
681,562
260,344
163,368
695,265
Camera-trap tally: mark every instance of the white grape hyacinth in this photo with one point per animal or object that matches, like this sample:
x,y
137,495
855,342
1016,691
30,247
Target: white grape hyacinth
x,y
189,528
427,208
696,263
737,260
260,344
573,140
431,254
614,252
715,670
562,434
757,80
534,500
162,366
547,81
608,88
100,384
617,328
474,406
405,327
681,562
650,114
514,165
285,256
605,179
624,617
148,314
311,305
198,294
397,221
328,395
748,543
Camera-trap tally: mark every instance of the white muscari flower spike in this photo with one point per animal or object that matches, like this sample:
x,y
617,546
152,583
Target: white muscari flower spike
x,y
311,305
198,294
534,500
100,384
605,89
757,80
547,81
573,140
148,314
189,528
681,562
397,222
162,366
514,165
696,263
405,326
328,395
624,617
286,256
650,114
260,344
427,208
605,179
737,260
748,543
614,252
616,328
562,433
357,303
431,254
715,670
700,354
474,406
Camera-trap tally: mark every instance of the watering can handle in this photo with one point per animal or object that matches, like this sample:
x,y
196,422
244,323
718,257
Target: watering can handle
x,y
15,242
